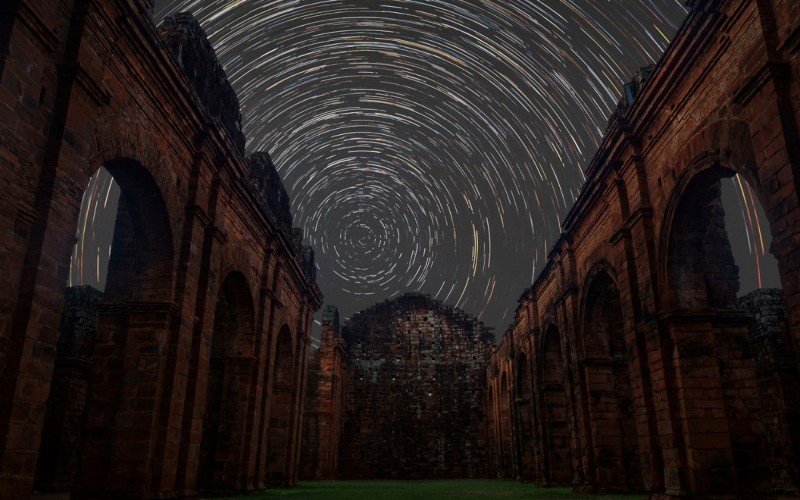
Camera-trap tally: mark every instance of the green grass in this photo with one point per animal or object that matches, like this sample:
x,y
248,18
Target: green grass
x,y
388,490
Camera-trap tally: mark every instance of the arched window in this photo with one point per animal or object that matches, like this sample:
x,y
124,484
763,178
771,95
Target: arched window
x,y
118,309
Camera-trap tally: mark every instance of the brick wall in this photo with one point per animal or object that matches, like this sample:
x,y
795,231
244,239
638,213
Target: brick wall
x,y
203,241
648,373
63,421
414,392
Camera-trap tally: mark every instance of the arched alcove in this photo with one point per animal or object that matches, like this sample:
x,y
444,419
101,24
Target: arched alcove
x,y
614,438
229,373
281,411
556,420
95,379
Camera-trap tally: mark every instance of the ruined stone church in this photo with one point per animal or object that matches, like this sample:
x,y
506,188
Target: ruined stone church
x,y
634,362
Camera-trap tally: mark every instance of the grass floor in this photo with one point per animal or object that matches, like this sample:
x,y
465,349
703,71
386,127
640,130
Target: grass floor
x,y
388,490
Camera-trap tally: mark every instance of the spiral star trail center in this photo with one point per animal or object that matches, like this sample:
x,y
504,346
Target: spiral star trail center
x,y
430,146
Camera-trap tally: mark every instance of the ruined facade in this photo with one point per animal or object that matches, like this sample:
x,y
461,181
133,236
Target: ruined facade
x,y
187,375
632,363
413,396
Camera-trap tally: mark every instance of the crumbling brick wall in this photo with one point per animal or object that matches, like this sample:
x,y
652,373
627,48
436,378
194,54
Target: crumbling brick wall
x,y
779,389
56,467
414,400
187,42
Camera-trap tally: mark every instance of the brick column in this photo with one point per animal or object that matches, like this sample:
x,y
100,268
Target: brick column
x,y
270,324
265,311
197,373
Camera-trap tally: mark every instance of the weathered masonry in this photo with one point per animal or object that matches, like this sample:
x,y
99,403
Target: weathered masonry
x,y
398,392
413,392
324,406
187,375
633,363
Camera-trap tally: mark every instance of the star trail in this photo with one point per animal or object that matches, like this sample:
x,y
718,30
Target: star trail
x,y
430,146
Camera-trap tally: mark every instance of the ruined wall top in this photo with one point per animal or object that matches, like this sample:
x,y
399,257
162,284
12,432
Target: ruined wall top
x,y
330,317
189,45
267,183
362,325
264,179
331,328
78,322
187,42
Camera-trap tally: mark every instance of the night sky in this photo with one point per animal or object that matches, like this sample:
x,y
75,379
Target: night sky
x,y
432,146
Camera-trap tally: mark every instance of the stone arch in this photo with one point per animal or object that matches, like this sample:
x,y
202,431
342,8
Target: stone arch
x,y
600,273
718,151
506,438
228,382
715,331
135,320
723,141
124,135
142,253
524,411
282,409
139,275
556,436
238,257
604,258
698,268
612,429
121,146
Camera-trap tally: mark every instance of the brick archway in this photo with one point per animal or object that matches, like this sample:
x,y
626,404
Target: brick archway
x,y
698,269
134,323
125,134
228,384
713,330
718,151
282,413
614,447
558,456
141,257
